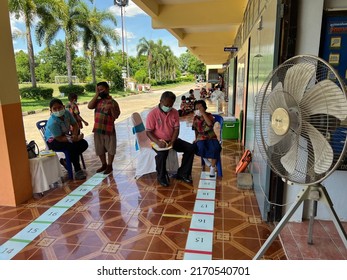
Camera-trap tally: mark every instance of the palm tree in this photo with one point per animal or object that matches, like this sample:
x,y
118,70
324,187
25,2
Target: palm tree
x,y
28,9
66,16
170,64
96,35
147,48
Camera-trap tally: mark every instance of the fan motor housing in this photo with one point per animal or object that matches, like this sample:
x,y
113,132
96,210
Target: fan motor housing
x,y
280,121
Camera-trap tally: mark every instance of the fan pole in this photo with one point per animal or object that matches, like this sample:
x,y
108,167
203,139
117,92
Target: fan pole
x,y
306,193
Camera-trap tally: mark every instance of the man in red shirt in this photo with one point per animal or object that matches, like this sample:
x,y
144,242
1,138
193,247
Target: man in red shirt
x,y
162,128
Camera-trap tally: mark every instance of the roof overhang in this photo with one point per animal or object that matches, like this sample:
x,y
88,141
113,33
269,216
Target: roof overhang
x,y
205,27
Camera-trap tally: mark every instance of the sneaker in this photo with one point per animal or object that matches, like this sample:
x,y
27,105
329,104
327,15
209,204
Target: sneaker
x,y
212,171
102,168
108,169
79,175
207,162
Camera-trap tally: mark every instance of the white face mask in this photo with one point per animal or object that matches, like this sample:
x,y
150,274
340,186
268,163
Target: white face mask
x,y
59,113
197,113
166,109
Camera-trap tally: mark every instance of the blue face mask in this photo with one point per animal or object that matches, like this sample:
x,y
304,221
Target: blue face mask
x,y
59,113
166,109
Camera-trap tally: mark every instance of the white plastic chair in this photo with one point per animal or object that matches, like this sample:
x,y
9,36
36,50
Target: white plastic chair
x,y
145,161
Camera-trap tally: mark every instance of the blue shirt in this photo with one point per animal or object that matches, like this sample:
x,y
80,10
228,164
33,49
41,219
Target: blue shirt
x,y
57,127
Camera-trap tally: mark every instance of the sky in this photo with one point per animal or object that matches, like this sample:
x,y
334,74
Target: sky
x,y
137,25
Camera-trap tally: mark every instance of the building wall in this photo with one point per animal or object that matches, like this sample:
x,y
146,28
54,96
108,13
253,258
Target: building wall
x,y
262,56
255,61
310,23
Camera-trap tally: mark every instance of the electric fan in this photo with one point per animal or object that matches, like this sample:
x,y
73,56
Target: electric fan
x,y
300,128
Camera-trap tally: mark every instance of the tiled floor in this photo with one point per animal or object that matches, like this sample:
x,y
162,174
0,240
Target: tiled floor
x,y
124,218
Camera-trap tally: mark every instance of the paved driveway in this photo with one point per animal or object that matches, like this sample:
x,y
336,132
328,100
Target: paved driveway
x,y
128,105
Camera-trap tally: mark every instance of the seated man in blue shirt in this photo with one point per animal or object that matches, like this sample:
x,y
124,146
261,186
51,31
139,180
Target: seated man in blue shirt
x,y
62,133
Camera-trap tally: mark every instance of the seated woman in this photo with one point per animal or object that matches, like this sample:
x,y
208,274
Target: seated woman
x,y
206,141
59,136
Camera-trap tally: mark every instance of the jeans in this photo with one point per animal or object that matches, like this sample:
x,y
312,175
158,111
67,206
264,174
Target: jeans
x,y
75,149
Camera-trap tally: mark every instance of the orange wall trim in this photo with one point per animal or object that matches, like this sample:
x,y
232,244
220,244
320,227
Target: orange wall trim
x,y
15,178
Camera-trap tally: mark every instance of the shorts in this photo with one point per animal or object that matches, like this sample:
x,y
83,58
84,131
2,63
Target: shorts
x,y
105,143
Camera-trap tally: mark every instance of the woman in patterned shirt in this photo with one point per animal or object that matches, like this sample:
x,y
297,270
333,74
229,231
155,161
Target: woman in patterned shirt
x,y
206,141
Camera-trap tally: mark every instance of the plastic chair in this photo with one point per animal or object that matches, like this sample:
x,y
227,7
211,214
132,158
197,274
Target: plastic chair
x,y
146,158
41,126
218,129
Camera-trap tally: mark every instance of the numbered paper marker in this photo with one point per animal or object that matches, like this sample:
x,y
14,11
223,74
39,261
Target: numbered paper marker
x,y
194,256
31,231
11,248
206,176
82,190
199,242
201,206
207,184
95,180
68,201
203,222
206,194
52,214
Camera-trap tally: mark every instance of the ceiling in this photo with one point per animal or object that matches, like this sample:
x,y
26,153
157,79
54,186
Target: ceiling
x,y
205,27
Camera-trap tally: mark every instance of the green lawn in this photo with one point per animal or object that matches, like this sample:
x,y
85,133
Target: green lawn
x,y
32,104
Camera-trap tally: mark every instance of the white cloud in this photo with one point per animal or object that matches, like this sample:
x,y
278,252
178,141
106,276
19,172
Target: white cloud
x,y
14,20
130,11
79,46
16,32
178,50
127,34
17,50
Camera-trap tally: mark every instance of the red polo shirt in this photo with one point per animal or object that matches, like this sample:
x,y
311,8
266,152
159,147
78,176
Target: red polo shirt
x,y
161,124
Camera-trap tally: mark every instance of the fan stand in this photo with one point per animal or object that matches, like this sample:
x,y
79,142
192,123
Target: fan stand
x,y
315,193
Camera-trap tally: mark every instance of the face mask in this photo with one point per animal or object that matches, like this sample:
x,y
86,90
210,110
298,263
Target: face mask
x,y
165,108
103,94
59,113
197,113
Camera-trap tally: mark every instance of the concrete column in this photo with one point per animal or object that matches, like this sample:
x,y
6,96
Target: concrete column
x,y
15,179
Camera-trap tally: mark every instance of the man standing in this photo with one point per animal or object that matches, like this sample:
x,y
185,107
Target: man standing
x,y
162,128
105,139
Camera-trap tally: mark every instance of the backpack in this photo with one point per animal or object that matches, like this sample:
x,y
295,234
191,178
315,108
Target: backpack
x,y
32,149
243,163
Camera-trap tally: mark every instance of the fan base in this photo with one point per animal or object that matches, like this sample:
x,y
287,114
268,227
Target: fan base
x,y
308,192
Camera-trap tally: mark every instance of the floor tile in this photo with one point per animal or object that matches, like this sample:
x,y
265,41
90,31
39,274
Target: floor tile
x,y
127,219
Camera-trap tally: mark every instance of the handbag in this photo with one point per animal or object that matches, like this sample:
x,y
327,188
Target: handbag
x,y
244,161
32,149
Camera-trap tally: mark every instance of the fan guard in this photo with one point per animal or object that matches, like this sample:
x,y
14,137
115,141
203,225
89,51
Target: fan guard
x,y
299,108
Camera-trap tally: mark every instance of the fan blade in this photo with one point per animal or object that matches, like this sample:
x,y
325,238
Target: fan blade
x,y
297,79
324,97
276,99
289,160
273,138
323,153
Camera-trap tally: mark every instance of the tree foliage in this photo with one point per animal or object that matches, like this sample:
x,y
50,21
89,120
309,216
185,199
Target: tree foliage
x,y
155,62
22,65
188,63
